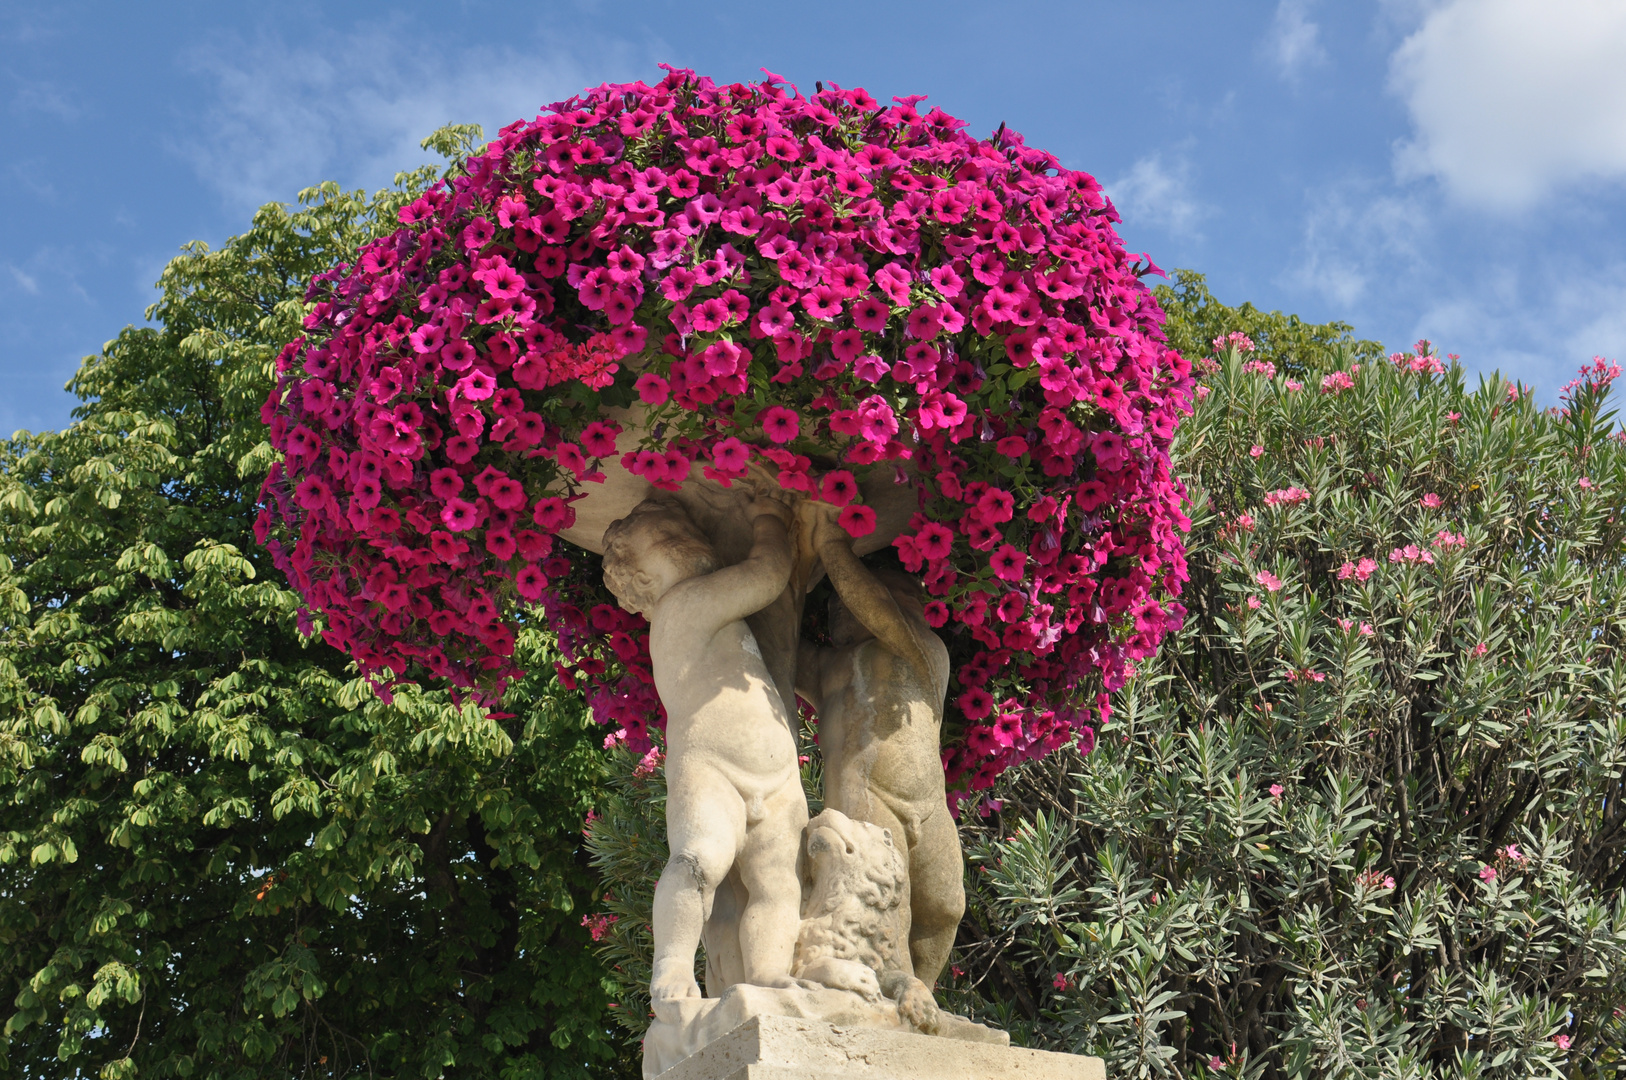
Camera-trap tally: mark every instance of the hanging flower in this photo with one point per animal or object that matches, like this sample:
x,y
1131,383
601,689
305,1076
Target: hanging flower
x,y
772,278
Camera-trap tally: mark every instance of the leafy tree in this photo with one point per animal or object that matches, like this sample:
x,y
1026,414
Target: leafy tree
x,y
1288,342
222,854
1362,817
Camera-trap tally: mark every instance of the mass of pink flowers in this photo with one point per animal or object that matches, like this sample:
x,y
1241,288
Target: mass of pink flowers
x,y
829,287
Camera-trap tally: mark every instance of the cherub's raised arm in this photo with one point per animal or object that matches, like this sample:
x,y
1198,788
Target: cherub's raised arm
x,y
732,593
869,601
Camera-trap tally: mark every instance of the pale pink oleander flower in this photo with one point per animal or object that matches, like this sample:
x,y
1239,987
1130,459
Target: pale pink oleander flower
x,y
1337,382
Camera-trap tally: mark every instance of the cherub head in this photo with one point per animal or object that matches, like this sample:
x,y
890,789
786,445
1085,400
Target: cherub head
x,y
650,550
845,629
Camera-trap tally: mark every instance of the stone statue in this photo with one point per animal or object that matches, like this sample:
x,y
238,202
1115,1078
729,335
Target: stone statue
x,y
850,918
879,696
855,921
734,791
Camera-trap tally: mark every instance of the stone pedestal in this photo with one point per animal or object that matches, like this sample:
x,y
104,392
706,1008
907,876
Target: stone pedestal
x,y
792,1048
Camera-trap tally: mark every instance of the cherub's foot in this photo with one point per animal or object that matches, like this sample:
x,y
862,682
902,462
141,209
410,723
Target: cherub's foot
x,y
671,981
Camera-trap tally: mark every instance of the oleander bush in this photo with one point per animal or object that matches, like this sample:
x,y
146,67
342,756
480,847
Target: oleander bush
x,y
1361,817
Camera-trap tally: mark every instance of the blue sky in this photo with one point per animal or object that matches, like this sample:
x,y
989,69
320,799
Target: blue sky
x,y
1454,169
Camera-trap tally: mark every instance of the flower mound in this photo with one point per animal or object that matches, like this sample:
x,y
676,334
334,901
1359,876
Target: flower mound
x,y
821,285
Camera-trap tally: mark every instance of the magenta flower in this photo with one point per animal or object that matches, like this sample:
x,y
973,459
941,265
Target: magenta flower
x,y
1487,873
1276,791
458,515
1059,981
856,519
976,703
477,386
870,314
838,488
473,344
1270,581
780,424
553,514
1008,563
445,483
731,456
652,389
1431,500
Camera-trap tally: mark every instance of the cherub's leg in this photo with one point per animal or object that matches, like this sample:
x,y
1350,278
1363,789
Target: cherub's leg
x,y
705,827
721,936
773,904
936,894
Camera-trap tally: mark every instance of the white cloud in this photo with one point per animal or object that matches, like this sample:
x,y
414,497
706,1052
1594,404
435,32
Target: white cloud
x,y
42,96
1353,237
1152,193
1294,42
1512,100
1536,327
26,282
353,108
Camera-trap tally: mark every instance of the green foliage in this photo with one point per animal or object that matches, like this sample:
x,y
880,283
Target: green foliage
x,y
1346,824
220,854
1196,319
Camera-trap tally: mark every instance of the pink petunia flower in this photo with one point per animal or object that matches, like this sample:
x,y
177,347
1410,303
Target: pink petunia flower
x,y
838,488
780,424
458,515
1008,563
858,520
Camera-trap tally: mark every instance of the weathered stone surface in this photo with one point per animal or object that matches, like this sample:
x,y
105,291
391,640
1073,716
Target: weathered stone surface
x,y
803,1048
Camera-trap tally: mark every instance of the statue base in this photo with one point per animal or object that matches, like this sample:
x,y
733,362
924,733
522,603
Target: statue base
x,y
796,1048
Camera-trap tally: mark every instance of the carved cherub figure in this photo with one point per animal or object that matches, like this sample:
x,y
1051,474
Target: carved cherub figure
x,y
879,694
734,792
